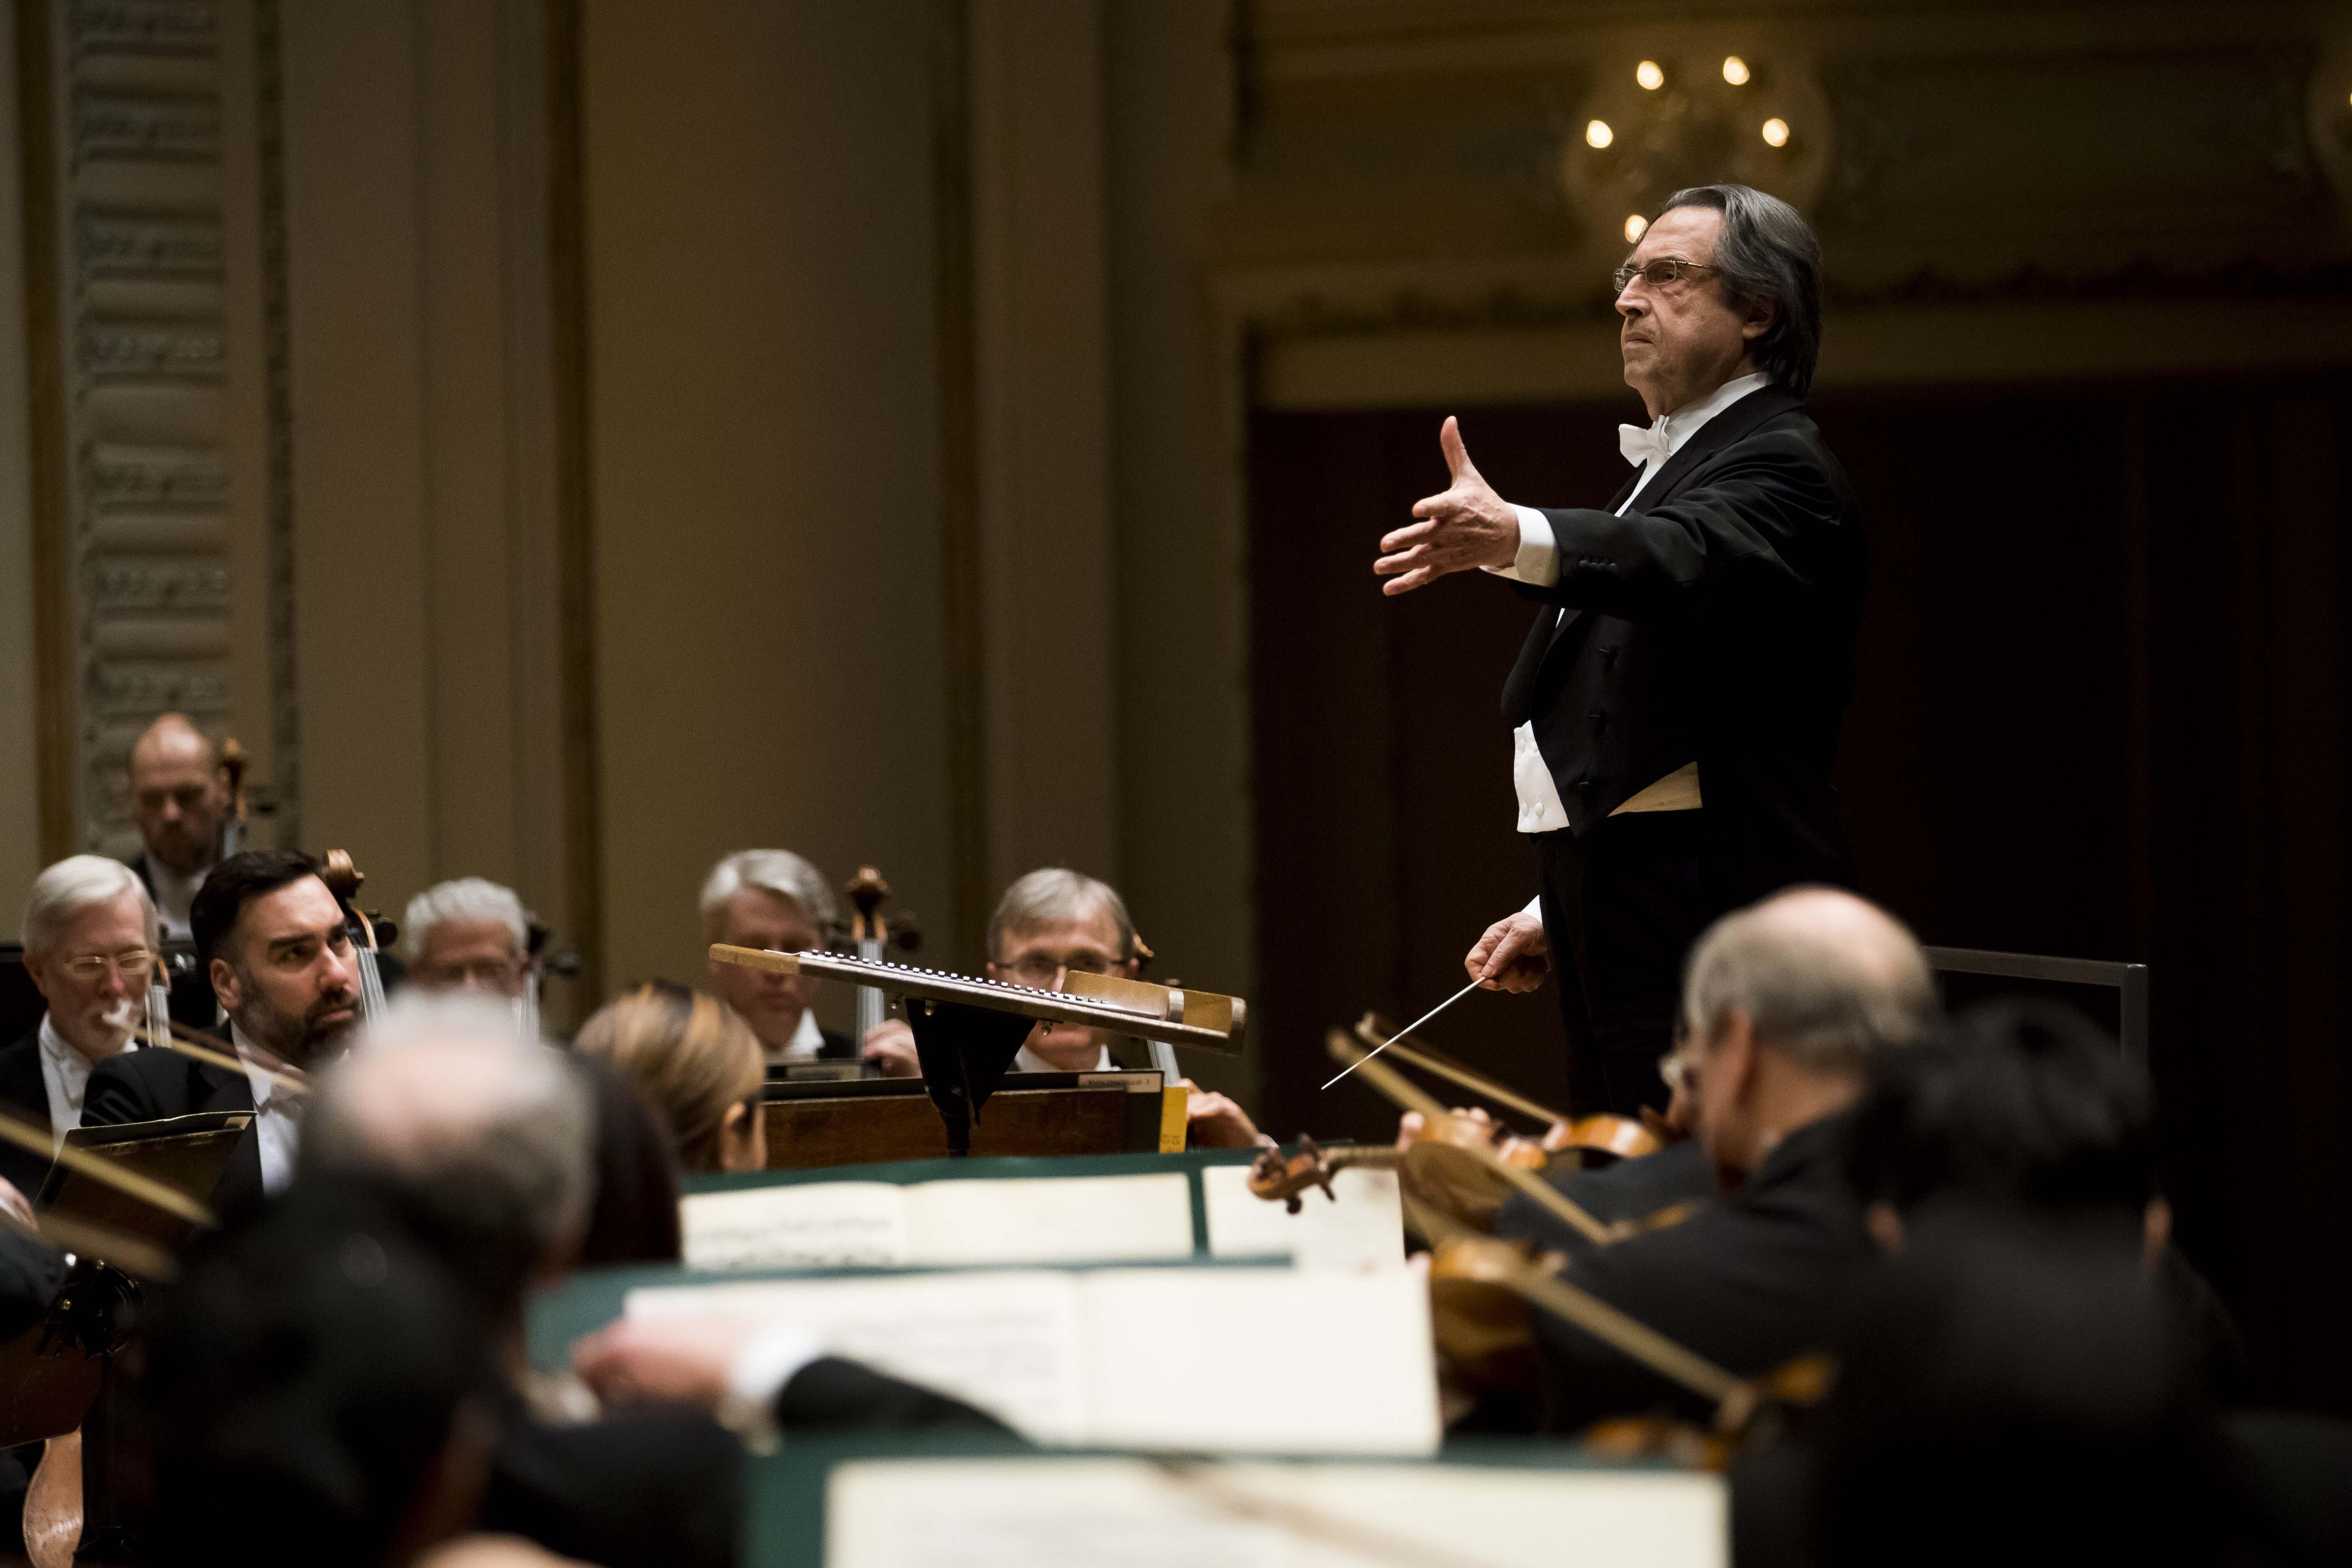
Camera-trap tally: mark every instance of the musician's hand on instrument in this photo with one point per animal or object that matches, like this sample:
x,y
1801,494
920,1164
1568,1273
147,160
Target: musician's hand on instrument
x,y
1512,956
14,1205
1464,526
677,1358
1213,1121
890,1046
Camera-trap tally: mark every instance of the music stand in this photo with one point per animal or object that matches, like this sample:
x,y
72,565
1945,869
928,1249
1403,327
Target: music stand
x,y
2128,981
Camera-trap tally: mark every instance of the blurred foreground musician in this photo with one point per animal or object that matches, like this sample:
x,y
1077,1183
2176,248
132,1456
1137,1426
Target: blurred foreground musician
x,y
272,937
180,795
90,936
775,900
1787,1004
1055,920
1676,705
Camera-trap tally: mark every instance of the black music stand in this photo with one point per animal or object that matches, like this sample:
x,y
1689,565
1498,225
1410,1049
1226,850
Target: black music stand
x,y
965,1053
2128,981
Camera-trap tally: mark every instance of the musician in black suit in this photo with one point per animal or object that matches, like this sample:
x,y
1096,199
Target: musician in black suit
x,y
1676,707
91,937
775,900
272,937
1788,1004
180,795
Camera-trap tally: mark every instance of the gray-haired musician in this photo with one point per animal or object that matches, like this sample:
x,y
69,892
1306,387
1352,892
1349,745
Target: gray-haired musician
x,y
90,935
469,934
774,900
1053,921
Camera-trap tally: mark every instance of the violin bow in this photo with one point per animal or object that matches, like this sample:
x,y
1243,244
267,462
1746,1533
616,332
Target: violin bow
x,y
1368,1028
1611,1326
207,1050
1402,1091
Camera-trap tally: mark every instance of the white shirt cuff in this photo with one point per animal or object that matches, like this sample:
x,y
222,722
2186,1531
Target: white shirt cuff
x,y
1534,907
1539,558
757,1375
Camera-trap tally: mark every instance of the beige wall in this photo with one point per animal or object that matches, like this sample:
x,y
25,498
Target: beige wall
x,y
765,456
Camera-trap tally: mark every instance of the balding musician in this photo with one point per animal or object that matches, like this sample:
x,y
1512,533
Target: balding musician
x,y
180,794
1786,1005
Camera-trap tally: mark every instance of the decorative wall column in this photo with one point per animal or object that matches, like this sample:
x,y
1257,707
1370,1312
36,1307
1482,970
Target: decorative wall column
x,y
153,479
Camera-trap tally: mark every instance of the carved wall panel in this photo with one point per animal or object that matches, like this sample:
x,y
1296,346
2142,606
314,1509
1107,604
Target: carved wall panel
x,y
137,187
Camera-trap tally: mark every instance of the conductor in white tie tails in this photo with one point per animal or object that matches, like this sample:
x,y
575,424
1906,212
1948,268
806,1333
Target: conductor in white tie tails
x,y
1675,709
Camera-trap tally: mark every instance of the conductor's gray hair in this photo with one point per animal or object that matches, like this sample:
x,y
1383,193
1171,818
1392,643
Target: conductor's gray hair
x,y
777,871
1767,254
465,899
444,1093
77,882
1051,895
1825,976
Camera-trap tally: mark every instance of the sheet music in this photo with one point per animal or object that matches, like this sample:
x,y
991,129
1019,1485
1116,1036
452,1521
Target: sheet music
x,y
817,1225
1018,1220
1246,1360
1089,1514
1360,1225
1051,1219
1262,1361
1008,1344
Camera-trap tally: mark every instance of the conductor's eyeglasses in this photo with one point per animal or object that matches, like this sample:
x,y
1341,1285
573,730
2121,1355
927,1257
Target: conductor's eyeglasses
x,y
1661,273
133,964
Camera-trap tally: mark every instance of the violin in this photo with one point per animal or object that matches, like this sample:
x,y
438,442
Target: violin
x,y
1483,1296
1579,1138
1284,1180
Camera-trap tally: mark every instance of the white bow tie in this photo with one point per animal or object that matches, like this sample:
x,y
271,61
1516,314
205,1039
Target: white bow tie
x,y
1644,445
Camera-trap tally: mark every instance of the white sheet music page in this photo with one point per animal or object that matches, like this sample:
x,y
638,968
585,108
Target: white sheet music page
x,y
1009,1344
817,1225
1267,1361
1051,1219
1359,1225
1089,1514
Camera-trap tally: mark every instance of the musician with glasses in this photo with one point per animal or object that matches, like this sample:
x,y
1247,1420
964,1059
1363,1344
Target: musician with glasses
x,y
1675,707
1054,921
469,934
90,934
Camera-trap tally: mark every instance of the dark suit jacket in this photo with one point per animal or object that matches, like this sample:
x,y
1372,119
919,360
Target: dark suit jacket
x,y
26,1092
1750,1281
1630,1189
146,1086
1714,621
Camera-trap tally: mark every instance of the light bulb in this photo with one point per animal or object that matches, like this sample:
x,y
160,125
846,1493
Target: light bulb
x,y
1636,225
1648,74
1598,134
1735,70
1776,133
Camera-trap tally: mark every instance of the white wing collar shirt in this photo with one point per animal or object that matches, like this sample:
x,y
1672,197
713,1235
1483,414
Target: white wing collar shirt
x,y
1540,810
277,1113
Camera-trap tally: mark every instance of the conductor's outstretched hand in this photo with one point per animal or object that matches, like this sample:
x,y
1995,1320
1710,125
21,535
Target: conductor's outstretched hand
x,y
1512,956
1464,526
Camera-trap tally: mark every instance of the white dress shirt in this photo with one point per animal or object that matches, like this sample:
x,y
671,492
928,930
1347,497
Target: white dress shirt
x,y
806,1041
64,1073
1027,1060
278,1115
174,895
1540,810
